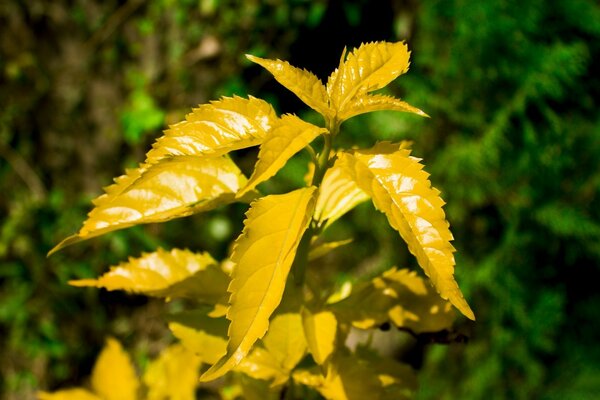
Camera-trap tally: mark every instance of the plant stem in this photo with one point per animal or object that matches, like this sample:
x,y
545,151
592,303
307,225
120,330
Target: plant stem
x,y
321,166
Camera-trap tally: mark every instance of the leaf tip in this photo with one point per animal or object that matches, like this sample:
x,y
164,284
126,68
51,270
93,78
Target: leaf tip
x,y
66,242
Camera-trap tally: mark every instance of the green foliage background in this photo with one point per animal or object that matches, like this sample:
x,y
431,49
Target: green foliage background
x,y
513,143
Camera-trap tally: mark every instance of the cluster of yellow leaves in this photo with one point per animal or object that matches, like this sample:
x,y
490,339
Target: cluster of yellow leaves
x,y
173,375
189,171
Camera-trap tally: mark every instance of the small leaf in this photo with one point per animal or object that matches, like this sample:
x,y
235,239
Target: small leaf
x,y
370,67
323,249
204,336
287,138
350,377
217,128
114,377
174,274
338,194
320,330
401,189
68,394
399,296
173,375
284,347
263,254
175,187
302,83
375,102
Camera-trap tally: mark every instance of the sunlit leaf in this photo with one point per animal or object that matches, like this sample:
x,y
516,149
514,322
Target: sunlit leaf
x,y
114,377
173,375
370,67
204,336
175,187
302,83
338,194
170,274
320,330
68,394
287,138
375,102
217,128
263,255
401,189
323,249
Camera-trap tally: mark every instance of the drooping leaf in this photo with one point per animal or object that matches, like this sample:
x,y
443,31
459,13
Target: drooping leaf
x,y
68,394
400,297
302,83
376,102
114,377
370,67
171,274
401,189
206,337
173,375
175,187
338,194
217,128
323,249
287,138
320,330
284,346
263,255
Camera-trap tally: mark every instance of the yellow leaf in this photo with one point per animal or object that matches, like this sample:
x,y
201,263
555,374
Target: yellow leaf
x,y
171,274
114,377
399,296
284,347
175,187
401,189
68,394
350,377
370,67
285,340
217,128
173,375
376,102
200,334
263,255
320,330
260,364
302,83
287,138
346,378
338,194
323,249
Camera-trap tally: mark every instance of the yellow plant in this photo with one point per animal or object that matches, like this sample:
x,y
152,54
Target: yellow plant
x,y
264,318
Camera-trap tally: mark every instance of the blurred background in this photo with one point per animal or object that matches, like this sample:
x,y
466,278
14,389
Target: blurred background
x,y
513,143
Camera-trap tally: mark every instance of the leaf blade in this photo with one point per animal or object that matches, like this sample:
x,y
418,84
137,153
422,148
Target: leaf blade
x,y
369,67
302,83
289,137
173,375
402,191
173,188
113,376
171,274
258,279
231,123
369,103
